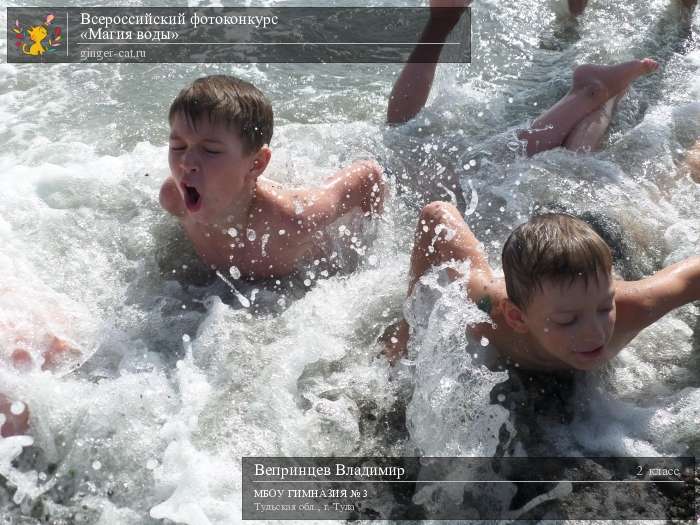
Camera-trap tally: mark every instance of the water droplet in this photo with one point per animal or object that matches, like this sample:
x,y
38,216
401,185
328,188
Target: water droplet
x,y
250,234
233,232
394,340
185,338
17,408
472,163
307,282
510,100
501,398
282,232
484,341
235,272
96,465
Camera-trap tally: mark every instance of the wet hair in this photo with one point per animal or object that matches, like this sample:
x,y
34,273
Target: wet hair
x,y
552,246
235,103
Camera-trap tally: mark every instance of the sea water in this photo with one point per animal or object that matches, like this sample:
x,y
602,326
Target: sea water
x,y
180,378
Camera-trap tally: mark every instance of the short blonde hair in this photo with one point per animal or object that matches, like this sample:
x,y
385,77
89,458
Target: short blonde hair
x,y
554,246
237,104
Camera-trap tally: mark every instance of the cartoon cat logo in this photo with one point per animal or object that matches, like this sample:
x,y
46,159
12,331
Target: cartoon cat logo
x,y
36,35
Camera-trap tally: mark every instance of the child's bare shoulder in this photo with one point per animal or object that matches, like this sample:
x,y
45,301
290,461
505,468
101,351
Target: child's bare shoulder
x,y
285,204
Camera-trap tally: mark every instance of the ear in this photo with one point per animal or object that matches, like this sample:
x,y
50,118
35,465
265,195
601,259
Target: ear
x,y
259,161
514,316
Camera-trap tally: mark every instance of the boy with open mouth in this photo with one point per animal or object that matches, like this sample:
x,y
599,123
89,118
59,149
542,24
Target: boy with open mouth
x,y
220,130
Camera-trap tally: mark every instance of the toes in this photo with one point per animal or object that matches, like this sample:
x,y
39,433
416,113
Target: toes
x,y
649,65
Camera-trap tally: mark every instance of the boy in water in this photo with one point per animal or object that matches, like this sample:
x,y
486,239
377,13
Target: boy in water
x,y
220,130
577,122
558,306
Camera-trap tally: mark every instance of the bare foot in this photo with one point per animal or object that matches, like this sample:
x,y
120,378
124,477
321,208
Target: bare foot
x,y
576,7
605,82
395,340
14,417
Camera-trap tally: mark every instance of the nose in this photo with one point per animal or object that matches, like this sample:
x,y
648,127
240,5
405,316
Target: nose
x,y
597,333
189,161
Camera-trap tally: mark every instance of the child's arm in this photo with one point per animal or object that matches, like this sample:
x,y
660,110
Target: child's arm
x,y
359,186
441,236
170,199
641,303
412,88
